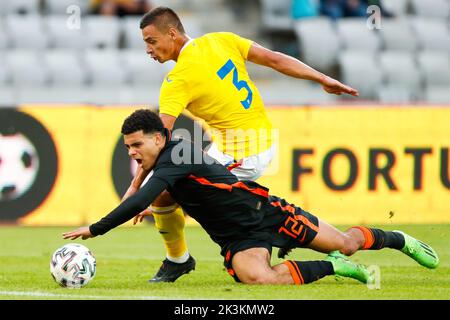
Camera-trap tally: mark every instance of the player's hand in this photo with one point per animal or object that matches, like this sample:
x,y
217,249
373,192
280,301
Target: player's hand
x,y
140,217
333,86
82,232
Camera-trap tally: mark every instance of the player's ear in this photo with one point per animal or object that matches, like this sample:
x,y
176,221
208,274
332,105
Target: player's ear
x,y
173,33
158,138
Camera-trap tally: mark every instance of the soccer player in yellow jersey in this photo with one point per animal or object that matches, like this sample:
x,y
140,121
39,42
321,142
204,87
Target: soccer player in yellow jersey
x,y
211,81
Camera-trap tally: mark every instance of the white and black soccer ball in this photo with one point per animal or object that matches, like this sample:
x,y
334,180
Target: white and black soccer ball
x,y
19,165
73,266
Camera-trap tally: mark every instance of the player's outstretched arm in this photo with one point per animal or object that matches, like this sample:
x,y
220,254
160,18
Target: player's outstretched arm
x,y
138,179
295,68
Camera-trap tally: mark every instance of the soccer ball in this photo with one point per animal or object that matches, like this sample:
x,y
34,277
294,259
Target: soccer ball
x,y
73,266
19,165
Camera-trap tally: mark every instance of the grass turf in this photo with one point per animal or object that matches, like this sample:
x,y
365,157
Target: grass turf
x,y
127,257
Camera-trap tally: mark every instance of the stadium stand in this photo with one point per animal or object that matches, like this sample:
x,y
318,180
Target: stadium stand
x,y
4,72
105,67
4,41
437,94
26,68
276,15
355,35
432,33
353,64
398,8
62,37
132,34
431,8
65,68
26,32
397,34
402,78
102,31
60,7
19,7
45,57
318,35
142,69
434,67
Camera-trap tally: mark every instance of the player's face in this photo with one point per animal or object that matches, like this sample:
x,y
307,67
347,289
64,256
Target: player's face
x,y
160,45
144,148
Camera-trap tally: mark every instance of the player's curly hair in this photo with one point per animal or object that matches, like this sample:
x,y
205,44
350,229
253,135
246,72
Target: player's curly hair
x,y
163,18
145,120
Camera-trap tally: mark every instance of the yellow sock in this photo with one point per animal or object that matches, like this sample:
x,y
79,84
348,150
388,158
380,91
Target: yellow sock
x,y
171,227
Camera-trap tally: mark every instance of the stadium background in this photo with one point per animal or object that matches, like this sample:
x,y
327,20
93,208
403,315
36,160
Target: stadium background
x,y
67,81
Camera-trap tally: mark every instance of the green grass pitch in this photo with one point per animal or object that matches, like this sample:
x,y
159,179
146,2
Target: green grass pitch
x,y
128,256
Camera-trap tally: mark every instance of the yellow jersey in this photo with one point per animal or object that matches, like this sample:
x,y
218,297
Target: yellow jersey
x,y
211,81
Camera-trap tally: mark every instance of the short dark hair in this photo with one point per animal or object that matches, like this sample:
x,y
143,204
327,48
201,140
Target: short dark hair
x,y
145,120
163,18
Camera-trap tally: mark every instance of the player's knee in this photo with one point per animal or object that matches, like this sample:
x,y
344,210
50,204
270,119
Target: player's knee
x,y
256,278
164,200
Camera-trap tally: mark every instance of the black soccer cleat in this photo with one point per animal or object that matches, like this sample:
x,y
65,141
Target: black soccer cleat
x,y
282,252
171,271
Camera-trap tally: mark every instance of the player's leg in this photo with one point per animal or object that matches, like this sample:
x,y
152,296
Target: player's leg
x,y
357,238
330,239
376,239
252,266
170,221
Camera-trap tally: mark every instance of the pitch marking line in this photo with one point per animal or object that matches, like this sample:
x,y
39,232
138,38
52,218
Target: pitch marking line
x,y
80,296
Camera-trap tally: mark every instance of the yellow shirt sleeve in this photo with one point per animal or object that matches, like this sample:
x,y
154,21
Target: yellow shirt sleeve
x,y
174,95
243,45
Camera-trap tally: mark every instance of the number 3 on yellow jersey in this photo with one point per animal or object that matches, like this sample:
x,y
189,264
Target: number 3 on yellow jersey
x,y
239,84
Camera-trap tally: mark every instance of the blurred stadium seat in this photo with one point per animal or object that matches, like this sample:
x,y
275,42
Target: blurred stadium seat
x,y
437,94
102,31
4,39
9,97
19,7
64,67
395,94
26,68
318,35
353,64
396,7
192,25
397,34
176,5
104,67
5,75
286,92
400,73
355,35
431,8
435,68
432,33
141,68
26,32
276,15
61,6
64,37
132,33
138,94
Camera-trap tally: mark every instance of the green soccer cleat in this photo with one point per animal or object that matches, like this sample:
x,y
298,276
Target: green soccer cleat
x,y
419,251
346,268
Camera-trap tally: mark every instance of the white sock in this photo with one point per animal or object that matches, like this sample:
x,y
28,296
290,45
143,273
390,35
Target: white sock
x,y
181,259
